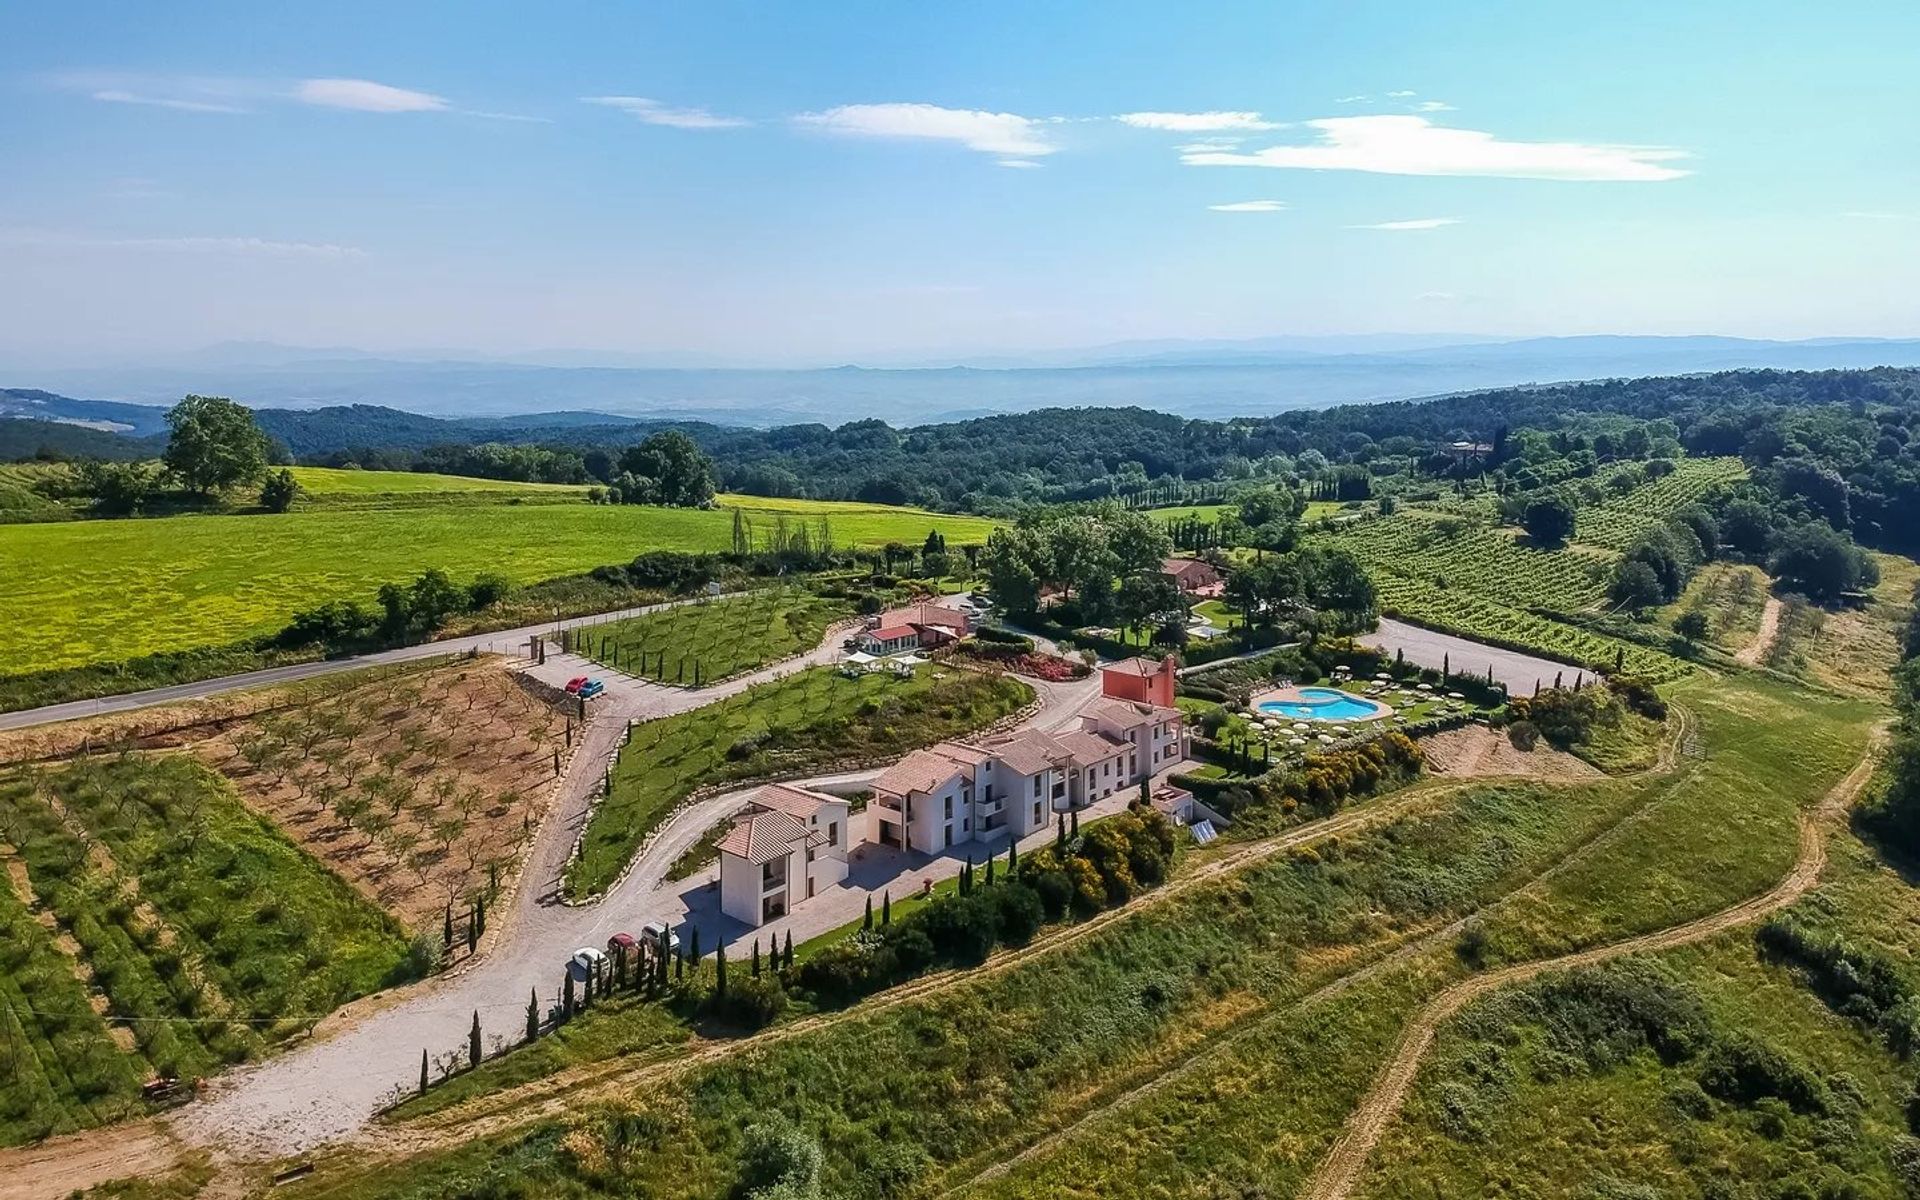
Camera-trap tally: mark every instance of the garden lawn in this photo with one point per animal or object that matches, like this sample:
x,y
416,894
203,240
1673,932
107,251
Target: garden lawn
x,y
82,592
787,728
724,637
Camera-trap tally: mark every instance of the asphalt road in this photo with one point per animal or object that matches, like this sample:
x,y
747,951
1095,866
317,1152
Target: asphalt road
x,y
506,641
1423,647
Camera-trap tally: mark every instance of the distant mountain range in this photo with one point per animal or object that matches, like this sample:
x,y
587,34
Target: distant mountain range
x,y
1212,379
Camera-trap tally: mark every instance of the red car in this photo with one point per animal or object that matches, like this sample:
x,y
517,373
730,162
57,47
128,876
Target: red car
x,y
620,941
575,684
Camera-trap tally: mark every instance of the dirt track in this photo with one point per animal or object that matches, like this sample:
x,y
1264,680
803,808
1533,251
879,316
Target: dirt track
x,y
1341,1168
1756,650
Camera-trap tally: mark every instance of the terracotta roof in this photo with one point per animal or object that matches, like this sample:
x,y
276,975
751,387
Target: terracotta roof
x,y
762,837
1029,752
925,614
1087,746
1129,713
1184,566
1146,668
920,771
893,633
795,802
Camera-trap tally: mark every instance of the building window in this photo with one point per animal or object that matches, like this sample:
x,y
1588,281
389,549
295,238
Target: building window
x,y
1036,812
1036,785
833,833
949,835
949,815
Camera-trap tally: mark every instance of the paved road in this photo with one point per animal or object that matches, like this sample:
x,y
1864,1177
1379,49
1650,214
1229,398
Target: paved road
x,y
505,641
326,1090
1423,647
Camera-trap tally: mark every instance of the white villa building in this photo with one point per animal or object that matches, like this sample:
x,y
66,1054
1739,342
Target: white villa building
x,y
788,845
976,790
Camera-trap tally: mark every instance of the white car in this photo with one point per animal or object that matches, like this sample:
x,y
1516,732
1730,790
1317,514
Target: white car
x,y
653,931
587,959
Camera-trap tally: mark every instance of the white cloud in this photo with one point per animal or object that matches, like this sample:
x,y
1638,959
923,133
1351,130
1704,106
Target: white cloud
x,y
1198,122
1404,145
1019,164
1420,223
1250,206
653,112
1360,99
364,95
1400,95
1438,297
1433,106
119,96
1005,134
250,246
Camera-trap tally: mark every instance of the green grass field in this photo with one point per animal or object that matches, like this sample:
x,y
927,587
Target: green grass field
x,y
207,935
724,637
803,722
83,592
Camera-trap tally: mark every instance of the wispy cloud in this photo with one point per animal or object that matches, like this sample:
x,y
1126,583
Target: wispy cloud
x,y
1199,122
1418,223
1360,98
364,95
249,246
1212,143
1405,145
1018,164
1400,95
1433,106
120,96
1250,206
1007,135
653,112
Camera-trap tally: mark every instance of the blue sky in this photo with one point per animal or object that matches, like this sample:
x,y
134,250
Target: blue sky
x,y
869,181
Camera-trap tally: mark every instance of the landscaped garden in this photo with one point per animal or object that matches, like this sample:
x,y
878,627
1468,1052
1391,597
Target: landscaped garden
x,y
807,722
711,640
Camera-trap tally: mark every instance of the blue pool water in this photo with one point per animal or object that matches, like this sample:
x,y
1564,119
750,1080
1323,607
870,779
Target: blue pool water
x,y
1321,704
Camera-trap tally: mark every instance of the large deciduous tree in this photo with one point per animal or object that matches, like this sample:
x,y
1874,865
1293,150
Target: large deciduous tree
x,y
667,468
214,445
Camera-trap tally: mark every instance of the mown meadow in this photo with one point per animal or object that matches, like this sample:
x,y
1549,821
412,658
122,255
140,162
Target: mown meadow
x,y
788,727
158,927
84,592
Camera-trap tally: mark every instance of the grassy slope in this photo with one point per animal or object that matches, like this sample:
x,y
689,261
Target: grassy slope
x,y
98,591
803,722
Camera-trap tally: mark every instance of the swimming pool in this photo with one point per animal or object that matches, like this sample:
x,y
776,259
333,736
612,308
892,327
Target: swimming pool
x,y
1323,704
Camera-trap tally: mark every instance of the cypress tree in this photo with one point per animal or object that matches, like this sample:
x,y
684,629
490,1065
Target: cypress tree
x,y
567,998
423,1070
1060,834
1146,790
1446,667
989,870
693,943
1073,830
789,954
473,1041
533,1014
473,929
867,922
720,972
679,967
756,958
446,927
886,914
1013,849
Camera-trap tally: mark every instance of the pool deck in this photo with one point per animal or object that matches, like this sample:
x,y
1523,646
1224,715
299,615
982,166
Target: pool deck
x,y
1297,695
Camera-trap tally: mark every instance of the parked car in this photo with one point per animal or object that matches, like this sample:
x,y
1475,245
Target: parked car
x,y
619,942
586,962
575,684
590,689
653,931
